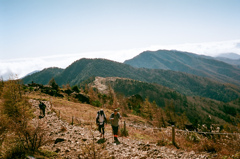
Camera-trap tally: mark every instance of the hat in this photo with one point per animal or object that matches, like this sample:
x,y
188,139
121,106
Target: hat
x,y
115,110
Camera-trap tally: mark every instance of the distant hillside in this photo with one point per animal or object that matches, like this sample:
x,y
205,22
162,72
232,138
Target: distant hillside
x,y
31,73
229,61
232,56
187,62
185,83
44,76
196,109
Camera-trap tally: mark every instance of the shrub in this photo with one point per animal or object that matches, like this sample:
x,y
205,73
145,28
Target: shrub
x,y
34,138
209,146
193,137
97,103
17,151
123,133
162,142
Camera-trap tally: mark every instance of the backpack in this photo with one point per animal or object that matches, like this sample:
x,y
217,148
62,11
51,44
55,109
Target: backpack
x,y
101,118
42,105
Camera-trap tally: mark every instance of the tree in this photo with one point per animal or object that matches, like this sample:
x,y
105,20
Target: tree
x,y
1,85
170,112
54,85
15,106
15,127
147,109
75,88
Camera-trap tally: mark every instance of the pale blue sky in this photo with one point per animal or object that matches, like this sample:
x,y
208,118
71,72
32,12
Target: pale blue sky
x,y
114,29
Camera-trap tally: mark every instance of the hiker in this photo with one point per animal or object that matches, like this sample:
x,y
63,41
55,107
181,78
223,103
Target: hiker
x,y
114,118
100,121
42,107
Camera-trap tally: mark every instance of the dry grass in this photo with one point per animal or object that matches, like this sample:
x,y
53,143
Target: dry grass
x,y
85,114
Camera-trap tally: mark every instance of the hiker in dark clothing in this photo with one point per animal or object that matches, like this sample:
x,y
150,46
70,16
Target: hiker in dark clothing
x,y
42,107
114,118
100,121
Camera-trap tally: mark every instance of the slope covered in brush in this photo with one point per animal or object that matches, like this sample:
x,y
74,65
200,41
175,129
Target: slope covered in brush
x,y
197,109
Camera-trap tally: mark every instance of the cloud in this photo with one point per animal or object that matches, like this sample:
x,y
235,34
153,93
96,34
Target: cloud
x,y
23,66
208,48
238,45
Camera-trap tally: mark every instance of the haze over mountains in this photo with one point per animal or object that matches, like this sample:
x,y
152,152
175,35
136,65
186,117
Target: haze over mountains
x,y
231,56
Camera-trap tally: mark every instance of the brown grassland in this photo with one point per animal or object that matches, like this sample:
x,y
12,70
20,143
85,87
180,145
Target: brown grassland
x,y
81,114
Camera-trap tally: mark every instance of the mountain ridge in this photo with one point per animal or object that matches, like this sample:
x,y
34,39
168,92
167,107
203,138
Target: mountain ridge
x,y
184,83
189,63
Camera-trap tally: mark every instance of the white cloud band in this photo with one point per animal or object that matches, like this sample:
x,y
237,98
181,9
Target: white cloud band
x,y
23,66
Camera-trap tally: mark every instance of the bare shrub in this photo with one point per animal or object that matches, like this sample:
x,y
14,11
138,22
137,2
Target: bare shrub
x,y
209,146
33,138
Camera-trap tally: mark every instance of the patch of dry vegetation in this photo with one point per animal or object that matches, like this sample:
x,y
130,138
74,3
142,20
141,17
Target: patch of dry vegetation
x,y
18,137
85,114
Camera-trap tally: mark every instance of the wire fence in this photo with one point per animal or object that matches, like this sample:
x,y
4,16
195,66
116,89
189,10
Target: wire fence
x,y
173,132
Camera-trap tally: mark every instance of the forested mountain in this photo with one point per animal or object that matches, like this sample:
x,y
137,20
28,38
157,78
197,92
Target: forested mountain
x,y
187,62
43,76
182,82
197,109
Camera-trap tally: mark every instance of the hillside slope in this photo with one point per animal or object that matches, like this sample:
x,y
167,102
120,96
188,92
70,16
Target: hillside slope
x,y
196,109
187,62
43,76
185,83
76,141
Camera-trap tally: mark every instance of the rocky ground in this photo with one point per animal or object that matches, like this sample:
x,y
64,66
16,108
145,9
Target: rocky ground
x,y
71,141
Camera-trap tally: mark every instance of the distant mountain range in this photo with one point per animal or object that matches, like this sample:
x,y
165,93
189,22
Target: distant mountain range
x,y
184,83
204,66
232,56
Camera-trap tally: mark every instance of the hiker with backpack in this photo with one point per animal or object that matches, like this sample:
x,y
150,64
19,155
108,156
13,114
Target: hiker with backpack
x,y
114,118
42,107
100,121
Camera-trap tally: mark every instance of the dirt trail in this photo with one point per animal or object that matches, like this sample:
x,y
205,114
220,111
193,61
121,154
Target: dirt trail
x,y
71,141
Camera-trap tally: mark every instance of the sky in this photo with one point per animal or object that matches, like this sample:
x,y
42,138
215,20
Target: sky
x,y
36,34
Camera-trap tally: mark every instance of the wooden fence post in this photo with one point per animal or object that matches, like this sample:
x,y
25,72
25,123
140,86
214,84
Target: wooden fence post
x,y
59,115
173,135
124,127
72,120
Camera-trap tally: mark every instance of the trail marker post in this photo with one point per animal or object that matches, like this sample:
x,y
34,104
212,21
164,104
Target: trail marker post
x,y
173,135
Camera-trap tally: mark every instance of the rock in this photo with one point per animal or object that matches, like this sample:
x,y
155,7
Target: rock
x,y
84,140
67,150
59,140
58,150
